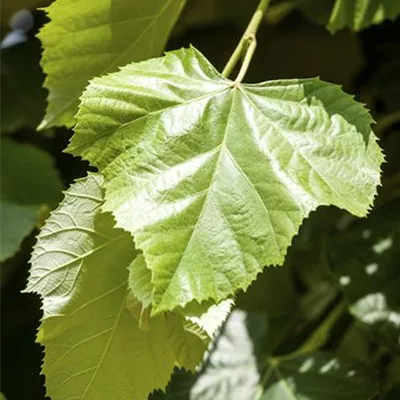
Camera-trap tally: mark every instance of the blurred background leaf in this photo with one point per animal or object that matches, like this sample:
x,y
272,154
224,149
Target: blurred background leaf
x,y
365,261
240,366
355,14
28,181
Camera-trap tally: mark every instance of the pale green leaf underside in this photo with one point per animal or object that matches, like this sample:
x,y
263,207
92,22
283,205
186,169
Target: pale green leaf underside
x,y
365,261
94,348
28,181
213,179
75,237
213,317
90,38
355,14
232,370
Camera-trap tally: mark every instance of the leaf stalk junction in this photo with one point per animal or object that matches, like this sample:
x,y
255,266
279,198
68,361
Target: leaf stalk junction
x,y
247,44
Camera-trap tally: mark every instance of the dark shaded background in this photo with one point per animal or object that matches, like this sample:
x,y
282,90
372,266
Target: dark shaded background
x,y
367,64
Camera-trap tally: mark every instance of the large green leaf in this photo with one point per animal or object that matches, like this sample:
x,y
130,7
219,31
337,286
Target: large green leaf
x,y
88,39
365,261
94,348
28,181
355,14
213,178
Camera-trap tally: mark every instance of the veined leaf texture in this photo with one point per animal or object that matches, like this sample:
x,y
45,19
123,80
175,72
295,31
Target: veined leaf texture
x,y
213,177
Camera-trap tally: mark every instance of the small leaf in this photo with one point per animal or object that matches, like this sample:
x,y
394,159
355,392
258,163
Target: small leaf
x,y
28,181
96,39
355,14
140,281
214,178
140,313
365,262
212,318
187,341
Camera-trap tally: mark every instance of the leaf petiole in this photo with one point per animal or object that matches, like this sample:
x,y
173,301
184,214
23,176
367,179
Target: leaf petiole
x,y
249,38
247,58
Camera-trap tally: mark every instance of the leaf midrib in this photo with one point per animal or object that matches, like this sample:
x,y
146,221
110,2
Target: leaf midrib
x,y
188,246
222,147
